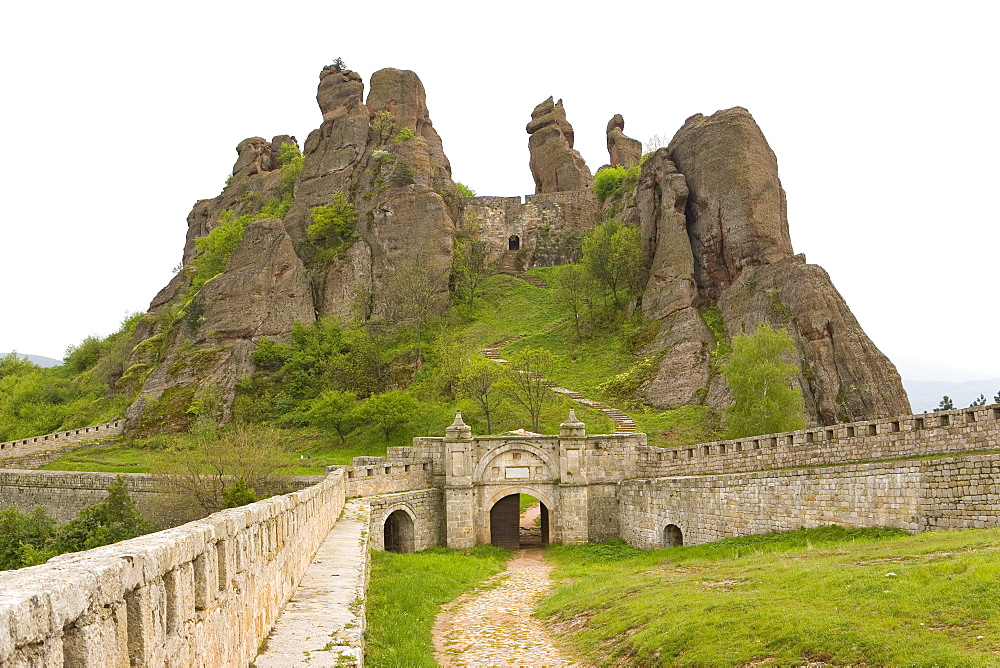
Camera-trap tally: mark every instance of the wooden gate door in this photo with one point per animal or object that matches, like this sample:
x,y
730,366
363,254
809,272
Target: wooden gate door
x,y
504,518
545,524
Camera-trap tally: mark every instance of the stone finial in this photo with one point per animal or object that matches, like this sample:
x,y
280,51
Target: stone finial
x,y
458,428
572,426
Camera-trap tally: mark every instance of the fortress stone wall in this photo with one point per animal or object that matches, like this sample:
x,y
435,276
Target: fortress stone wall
x,y
60,439
63,494
548,226
205,593
914,495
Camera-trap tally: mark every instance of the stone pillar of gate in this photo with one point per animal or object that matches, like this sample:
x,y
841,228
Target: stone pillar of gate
x,y
459,500
573,526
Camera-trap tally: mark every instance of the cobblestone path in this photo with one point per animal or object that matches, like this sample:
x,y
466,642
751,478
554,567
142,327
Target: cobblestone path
x,y
494,627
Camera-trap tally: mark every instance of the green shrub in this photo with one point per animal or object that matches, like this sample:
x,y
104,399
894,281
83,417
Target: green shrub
x,y
291,161
464,190
333,225
215,248
404,134
615,182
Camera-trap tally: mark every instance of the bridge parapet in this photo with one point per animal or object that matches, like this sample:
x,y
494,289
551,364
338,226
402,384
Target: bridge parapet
x,y
203,593
942,432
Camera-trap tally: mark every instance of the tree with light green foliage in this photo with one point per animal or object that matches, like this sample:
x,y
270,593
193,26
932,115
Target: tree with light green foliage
x,y
333,228
481,382
764,399
464,190
389,411
575,288
335,411
112,520
613,255
525,381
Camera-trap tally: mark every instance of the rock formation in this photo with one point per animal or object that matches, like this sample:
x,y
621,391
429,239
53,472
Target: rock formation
x,y
623,151
712,213
387,161
555,165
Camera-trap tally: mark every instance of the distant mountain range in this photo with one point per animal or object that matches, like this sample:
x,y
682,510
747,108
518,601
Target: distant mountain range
x,y
37,359
928,382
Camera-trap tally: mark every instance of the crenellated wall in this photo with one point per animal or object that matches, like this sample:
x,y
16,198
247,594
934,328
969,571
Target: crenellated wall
x,y
60,439
548,226
915,495
205,593
953,431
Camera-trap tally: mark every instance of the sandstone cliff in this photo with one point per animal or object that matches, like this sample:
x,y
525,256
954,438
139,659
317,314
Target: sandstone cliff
x,y
381,157
712,212
623,151
555,165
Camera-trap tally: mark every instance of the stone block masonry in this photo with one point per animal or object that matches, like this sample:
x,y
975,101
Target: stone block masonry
x,y
914,495
60,439
202,594
63,494
962,430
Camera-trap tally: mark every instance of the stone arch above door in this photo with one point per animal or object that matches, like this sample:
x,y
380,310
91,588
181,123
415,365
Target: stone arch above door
x,y
517,461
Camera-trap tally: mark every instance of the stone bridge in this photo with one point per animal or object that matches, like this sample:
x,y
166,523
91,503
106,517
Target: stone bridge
x,y
208,592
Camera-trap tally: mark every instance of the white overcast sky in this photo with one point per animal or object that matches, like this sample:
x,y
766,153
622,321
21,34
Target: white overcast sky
x,y
883,115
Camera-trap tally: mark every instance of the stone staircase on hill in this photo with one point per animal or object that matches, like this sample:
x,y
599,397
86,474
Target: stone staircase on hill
x,y
508,265
623,423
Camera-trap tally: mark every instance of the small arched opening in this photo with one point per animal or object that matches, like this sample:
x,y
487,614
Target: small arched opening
x,y
672,536
398,532
514,242
514,525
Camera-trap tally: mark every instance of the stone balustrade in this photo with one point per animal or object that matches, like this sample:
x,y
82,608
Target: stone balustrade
x,y
204,593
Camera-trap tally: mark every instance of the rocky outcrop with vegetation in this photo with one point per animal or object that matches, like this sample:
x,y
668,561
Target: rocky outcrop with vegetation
x,y
296,236
712,212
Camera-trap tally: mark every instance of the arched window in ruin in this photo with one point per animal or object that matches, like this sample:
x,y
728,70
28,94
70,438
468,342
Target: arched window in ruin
x,y
672,536
514,242
398,532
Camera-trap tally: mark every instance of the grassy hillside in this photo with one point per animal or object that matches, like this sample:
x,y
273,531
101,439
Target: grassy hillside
x,y
508,308
858,597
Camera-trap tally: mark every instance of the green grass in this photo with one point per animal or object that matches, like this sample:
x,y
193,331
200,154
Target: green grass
x,y
527,501
406,592
864,596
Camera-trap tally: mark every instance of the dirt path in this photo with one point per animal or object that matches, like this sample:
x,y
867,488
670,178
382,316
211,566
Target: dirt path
x,y
495,627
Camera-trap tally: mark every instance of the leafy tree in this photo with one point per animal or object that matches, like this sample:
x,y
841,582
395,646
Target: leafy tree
x,y
481,382
18,530
525,383
946,404
414,295
765,401
85,355
112,520
575,287
388,412
464,190
470,267
981,401
291,160
612,254
338,64
334,411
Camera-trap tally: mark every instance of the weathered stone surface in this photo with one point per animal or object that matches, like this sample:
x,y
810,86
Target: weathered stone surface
x,y
661,196
736,208
623,151
728,244
263,292
555,165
